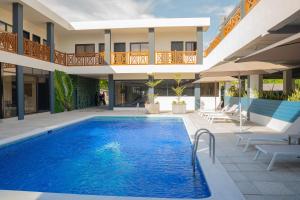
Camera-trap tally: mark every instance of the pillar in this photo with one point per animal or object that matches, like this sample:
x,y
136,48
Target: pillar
x,y
107,46
111,91
199,45
197,92
256,85
18,29
151,44
50,43
287,81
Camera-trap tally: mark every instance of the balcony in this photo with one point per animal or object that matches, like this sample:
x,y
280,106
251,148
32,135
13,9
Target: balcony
x,y
36,50
130,58
231,22
175,57
8,42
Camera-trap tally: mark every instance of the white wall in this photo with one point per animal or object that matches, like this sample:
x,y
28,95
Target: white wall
x,y
163,38
66,43
209,103
166,102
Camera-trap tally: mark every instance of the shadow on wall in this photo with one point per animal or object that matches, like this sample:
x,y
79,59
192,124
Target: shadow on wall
x,y
286,111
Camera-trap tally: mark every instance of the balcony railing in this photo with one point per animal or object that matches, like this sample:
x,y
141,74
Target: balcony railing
x,y
236,16
130,58
175,57
36,50
8,41
59,57
91,59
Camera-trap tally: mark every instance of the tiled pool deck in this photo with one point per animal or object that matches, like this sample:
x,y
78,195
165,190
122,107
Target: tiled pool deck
x,y
251,177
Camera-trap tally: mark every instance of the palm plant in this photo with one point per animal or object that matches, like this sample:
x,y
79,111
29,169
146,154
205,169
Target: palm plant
x,y
152,84
295,96
63,89
178,89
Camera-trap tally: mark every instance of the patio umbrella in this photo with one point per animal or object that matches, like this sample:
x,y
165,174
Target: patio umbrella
x,y
215,79
242,69
283,52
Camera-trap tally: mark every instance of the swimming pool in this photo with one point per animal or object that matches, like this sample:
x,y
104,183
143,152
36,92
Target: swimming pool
x,y
111,156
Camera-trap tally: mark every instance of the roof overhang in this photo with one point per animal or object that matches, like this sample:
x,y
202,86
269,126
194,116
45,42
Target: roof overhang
x,y
143,23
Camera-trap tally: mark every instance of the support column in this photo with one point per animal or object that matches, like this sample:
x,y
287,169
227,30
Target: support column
x,y
151,44
111,91
197,92
18,29
243,11
248,86
287,81
107,46
50,43
256,85
199,45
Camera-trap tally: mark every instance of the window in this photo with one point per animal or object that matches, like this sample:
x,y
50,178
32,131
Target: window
x,y
26,35
176,46
119,47
139,46
191,46
3,26
84,49
165,88
45,42
101,47
36,38
209,89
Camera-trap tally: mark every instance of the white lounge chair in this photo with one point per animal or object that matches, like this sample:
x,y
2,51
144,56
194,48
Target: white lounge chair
x,y
255,138
203,113
277,150
230,111
233,117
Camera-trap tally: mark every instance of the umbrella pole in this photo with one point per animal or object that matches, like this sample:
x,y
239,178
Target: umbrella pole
x,y
240,103
215,96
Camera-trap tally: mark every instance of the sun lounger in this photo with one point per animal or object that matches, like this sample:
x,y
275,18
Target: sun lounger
x,y
254,138
230,111
233,117
277,150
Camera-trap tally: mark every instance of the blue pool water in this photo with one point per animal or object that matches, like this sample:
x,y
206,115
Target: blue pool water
x,y
114,156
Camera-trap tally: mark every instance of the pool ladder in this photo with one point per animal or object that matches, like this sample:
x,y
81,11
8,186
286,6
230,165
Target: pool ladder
x,y
212,145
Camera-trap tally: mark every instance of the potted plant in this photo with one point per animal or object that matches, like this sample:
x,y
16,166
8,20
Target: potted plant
x,y
151,106
178,107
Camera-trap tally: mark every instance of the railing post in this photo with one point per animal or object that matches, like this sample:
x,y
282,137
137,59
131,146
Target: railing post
x,y
18,29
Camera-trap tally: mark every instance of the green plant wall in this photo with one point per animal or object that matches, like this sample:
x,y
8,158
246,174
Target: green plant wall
x,y
83,91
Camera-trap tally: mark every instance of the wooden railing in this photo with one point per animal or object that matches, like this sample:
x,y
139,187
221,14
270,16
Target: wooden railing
x,y
249,4
36,50
8,41
175,57
130,58
59,57
91,59
236,16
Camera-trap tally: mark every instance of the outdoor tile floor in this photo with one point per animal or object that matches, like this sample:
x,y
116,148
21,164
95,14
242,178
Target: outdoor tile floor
x,y
251,177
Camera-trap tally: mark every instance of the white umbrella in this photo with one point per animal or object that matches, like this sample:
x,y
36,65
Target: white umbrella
x,y
239,69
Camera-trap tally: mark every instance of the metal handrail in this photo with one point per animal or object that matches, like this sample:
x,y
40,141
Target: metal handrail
x,y
212,142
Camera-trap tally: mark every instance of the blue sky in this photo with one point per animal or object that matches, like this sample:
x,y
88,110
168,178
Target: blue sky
x,y
87,10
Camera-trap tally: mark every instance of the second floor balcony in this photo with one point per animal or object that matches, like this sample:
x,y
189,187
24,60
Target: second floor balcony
x,y
8,42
